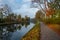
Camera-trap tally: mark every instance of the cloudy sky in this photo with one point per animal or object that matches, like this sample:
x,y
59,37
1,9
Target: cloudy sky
x,y
21,7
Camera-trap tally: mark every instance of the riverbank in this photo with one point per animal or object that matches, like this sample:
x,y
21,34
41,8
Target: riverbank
x,y
33,34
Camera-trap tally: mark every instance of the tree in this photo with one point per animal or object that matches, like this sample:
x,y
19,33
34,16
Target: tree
x,y
54,7
55,4
27,18
10,17
38,4
19,18
49,12
22,19
1,15
38,15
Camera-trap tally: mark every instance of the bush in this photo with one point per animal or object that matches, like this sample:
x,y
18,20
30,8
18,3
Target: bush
x,y
52,21
2,21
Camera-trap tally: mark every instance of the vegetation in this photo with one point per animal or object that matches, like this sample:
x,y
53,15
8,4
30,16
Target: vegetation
x,y
33,34
12,17
52,21
37,16
53,12
7,16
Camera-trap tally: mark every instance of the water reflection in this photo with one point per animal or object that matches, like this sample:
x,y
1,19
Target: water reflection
x,y
26,24
15,31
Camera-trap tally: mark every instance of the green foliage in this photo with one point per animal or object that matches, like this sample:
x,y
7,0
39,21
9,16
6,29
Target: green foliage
x,y
19,16
55,4
52,20
2,20
38,15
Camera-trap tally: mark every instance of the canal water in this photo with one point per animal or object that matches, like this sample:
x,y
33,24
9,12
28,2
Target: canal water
x,y
14,32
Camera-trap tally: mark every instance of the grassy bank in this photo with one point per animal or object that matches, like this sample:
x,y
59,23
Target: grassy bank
x,y
33,34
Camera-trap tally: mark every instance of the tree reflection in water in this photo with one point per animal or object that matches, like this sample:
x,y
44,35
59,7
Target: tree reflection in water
x,y
26,24
5,31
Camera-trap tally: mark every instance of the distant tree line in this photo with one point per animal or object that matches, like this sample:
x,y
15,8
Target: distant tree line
x,y
14,18
8,16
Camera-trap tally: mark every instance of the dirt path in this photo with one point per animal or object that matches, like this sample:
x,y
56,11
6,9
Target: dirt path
x,y
47,33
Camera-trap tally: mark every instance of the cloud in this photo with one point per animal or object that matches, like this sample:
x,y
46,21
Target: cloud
x,y
26,10
23,9
14,4
29,12
1,3
26,0
0,0
10,1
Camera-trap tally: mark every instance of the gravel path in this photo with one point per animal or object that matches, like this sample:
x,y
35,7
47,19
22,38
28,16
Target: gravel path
x,y
47,33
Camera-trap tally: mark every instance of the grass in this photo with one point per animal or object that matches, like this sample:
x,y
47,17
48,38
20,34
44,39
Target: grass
x,y
33,34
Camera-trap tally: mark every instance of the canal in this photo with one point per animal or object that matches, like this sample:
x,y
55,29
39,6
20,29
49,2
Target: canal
x,y
15,31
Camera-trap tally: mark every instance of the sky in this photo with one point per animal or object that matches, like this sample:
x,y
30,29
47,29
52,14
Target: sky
x,y
21,7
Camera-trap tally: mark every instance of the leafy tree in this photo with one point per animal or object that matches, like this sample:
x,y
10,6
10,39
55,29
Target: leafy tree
x,y
22,19
37,4
19,18
1,15
27,18
53,8
38,15
54,4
